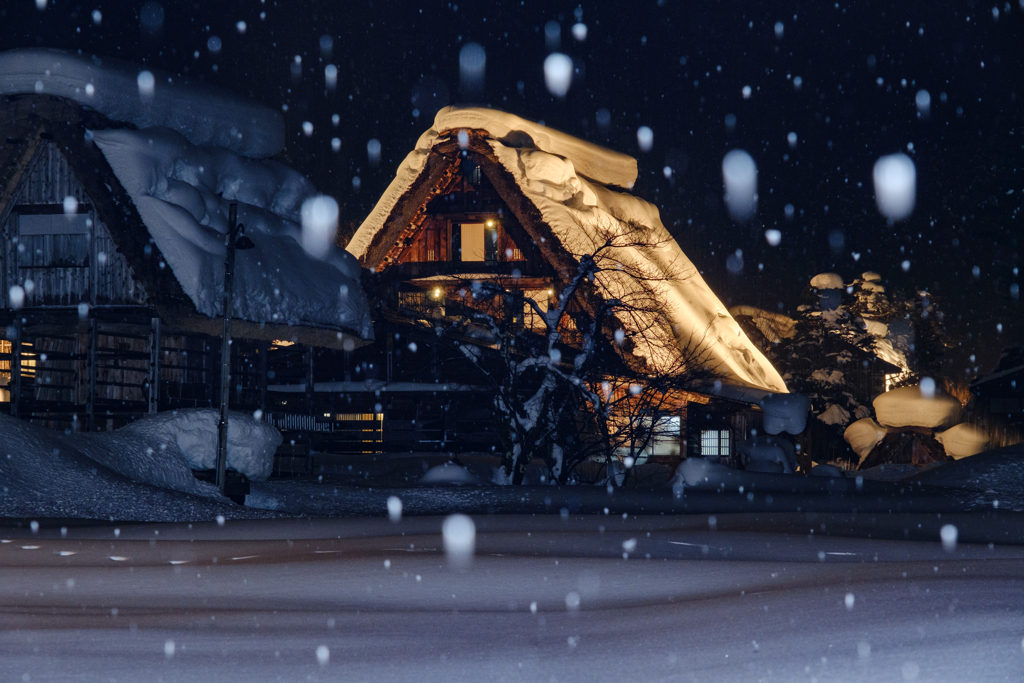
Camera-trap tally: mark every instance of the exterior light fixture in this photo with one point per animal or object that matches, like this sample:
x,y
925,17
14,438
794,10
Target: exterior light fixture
x,y
437,293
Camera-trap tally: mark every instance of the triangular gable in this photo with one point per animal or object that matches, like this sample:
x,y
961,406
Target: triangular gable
x,y
32,120
568,214
54,238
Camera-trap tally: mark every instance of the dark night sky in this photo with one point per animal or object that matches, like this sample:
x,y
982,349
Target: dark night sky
x,y
679,68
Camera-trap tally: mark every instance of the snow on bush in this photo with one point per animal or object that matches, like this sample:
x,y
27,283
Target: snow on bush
x,y
785,413
163,449
827,281
863,435
962,440
909,407
122,91
767,454
701,472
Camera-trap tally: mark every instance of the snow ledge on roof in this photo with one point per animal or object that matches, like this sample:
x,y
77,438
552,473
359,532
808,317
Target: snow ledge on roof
x,y
205,114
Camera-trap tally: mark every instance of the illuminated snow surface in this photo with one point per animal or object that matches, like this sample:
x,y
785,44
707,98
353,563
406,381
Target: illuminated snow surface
x,y
598,598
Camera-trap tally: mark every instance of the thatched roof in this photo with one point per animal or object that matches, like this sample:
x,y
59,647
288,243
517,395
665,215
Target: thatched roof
x,y
31,120
566,194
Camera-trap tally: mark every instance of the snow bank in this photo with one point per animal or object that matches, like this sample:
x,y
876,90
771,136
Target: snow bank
x,y
701,472
767,454
46,474
826,470
205,114
571,183
163,449
907,407
863,435
997,477
962,440
448,473
182,193
785,413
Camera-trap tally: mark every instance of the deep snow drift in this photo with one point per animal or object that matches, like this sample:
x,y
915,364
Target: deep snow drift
x,y
205,114
182,193
44,474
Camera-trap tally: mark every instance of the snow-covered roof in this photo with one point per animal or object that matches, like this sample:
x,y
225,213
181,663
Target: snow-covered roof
x,y
182,193
205,114
573,205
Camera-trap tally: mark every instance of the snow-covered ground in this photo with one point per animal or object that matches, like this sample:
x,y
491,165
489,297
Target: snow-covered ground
x,y
663,598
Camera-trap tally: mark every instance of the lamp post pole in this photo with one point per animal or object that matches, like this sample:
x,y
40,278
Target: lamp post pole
x,y
225,351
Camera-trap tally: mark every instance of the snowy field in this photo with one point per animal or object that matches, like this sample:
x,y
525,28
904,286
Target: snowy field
x,y
547,598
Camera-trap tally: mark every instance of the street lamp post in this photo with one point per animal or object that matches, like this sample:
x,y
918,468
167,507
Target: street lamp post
x,y
235,239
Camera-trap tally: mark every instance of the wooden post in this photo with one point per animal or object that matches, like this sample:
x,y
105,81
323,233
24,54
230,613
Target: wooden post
x,y
16,366
264,351
90,404
154,367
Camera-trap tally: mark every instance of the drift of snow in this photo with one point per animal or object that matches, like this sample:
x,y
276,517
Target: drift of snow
x,y
739,174
895,186
182,194
962,441
907,407
204,114
785,413
448,473
163,449
571,183
996,477
767,454
863,435
46,474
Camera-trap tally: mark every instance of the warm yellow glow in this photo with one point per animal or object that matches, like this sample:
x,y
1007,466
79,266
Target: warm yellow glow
x,y
437,293
490,224
282,342
551,292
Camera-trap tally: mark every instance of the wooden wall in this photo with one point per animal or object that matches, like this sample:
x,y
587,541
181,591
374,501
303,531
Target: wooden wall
x,y
60,259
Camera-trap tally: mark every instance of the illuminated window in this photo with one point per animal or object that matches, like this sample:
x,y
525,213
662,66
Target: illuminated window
x,y
714,443
473,244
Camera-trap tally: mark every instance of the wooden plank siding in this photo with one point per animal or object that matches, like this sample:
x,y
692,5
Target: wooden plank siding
x,y
63,269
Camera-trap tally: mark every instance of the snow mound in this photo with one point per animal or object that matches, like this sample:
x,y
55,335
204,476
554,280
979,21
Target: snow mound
x,y
827,281
766,467
962,440
997,477
785,413
767,454
835,414
825,470
163,449
205,114
46,474
907,407
889,472
448,473
863,435
697,471
182,193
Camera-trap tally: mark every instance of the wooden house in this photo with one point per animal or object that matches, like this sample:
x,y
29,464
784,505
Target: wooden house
x,y
100,320
487,196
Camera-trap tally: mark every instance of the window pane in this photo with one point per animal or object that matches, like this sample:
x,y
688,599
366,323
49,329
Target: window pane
x,y
473,242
